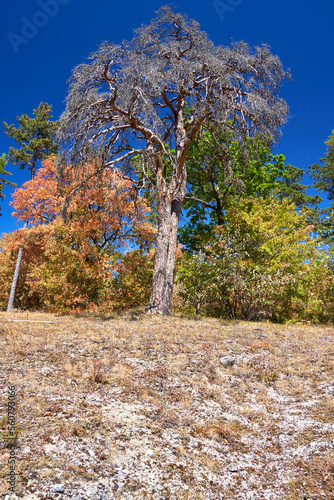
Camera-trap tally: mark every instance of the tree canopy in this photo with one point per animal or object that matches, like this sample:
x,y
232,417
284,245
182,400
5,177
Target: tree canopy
x,y
65,265
152,97
249,170
36,136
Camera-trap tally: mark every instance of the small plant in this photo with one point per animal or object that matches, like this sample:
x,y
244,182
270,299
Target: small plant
x,y
8,438
98,376
264,372
215,430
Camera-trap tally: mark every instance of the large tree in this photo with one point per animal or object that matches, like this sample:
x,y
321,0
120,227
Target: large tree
x,y
152,97
250,170
36,138
323,175
65,265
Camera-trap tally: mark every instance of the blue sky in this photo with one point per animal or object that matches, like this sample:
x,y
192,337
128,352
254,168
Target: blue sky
x,y
41,42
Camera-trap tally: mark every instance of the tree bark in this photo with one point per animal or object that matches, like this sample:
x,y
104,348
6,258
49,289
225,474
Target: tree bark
x,y
169,209
16,275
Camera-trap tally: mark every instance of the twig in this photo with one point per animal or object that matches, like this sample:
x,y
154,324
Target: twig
x,y
32,321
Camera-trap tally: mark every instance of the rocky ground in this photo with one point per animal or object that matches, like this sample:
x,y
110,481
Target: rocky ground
x,y
139,407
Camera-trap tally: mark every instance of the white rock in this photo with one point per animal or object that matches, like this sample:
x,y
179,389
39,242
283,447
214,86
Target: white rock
x,y
227,360
58,488
233,467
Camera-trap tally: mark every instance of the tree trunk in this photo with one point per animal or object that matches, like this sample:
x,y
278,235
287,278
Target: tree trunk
x,y
169,209
16,275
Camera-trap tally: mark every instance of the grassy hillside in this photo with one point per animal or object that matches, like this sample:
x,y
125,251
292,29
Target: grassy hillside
x,y
138,407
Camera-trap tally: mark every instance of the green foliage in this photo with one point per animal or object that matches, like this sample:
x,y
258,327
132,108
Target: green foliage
x,y
323,176
216,181
261,264
3,173
36,136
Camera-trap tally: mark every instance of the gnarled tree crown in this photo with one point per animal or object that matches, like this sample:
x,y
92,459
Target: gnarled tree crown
x,y
152,96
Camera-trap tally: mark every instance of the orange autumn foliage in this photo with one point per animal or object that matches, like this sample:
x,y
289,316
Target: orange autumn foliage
x,y
129,282
105,209
67,265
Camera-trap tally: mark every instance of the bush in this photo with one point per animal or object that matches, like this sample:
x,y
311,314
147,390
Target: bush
x,y
262,264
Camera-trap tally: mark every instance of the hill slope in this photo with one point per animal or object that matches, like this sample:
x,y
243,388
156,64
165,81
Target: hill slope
x,y
167,408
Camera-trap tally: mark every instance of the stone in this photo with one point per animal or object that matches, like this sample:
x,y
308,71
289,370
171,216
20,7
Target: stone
x,y
58,488
233,468
227,360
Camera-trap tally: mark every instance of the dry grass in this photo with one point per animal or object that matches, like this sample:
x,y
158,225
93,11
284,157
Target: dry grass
x,y
145,407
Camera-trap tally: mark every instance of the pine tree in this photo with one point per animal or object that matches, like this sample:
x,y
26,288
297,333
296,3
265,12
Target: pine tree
x,y
3,173
133,99
36,138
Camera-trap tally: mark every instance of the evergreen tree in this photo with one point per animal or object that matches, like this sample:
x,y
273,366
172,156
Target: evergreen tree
x,y
3,173
36,138
323,175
